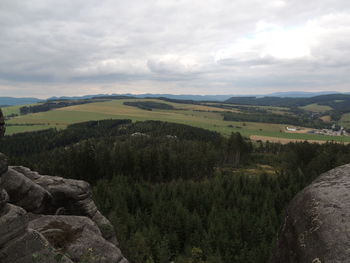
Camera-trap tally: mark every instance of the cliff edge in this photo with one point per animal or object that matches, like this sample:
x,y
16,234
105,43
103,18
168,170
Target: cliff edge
x,y
51,219
316,226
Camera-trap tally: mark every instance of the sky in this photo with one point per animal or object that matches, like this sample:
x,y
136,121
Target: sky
x,y
56,48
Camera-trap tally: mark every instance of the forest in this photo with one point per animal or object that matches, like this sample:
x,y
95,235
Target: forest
x,y
179,193
54,104
149,105
340,102
301,119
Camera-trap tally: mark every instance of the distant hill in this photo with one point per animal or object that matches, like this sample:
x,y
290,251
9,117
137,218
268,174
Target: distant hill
x,y
299,94
284,96
339,102
148,95
10,101
191,97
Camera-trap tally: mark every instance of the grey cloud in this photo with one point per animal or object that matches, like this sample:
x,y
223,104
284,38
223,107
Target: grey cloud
x,y
252,62
170,46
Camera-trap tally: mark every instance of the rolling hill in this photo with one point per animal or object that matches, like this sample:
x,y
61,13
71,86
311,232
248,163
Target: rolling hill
x,y
203,115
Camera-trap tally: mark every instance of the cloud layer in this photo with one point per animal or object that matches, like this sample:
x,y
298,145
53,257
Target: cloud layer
x,y
79,47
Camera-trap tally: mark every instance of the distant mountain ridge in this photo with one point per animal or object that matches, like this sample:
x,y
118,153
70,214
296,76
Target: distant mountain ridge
x,y
149,95
12,101
300,94
194,97
338,101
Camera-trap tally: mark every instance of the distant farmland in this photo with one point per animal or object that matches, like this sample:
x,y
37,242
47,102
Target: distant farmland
x,y
203,116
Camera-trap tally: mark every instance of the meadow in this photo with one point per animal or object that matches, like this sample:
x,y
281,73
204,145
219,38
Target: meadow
x,y
314,107
345,120
202,116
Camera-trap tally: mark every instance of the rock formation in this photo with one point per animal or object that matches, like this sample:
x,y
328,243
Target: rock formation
x,y
316,226
50,219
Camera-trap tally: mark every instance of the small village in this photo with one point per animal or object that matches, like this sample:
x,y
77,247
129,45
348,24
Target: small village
x,y
333,131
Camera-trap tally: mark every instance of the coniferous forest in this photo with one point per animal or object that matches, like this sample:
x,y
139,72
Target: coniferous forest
x,y
179,193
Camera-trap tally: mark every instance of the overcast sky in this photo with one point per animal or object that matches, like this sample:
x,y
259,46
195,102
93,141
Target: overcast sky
x,y
77,47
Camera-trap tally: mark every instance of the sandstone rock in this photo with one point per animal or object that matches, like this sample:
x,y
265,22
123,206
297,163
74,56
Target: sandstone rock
x,y
25,193
66,196
42,238
4,198
13,222
36,238
3,163
316,226
18,244
78,237
31,247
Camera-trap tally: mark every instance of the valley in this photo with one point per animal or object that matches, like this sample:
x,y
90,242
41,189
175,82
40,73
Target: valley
x,y
259,122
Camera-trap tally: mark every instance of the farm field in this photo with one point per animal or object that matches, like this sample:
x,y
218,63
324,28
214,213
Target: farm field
x,y
14,109
202,116
316,108
11,110
345,120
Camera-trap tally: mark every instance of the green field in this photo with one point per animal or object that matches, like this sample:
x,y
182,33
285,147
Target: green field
x,y
15,109
207,117
345,120
316,108
11,110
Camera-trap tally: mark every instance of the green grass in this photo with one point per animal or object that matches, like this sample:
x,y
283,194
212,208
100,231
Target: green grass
x,y
18,129
15,109
345,120
316,108
196,115
11,110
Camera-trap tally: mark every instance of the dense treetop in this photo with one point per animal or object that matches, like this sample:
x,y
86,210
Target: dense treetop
x,y
179,193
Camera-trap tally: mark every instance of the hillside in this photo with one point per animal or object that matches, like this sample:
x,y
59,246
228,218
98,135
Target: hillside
x,y
259,121
337,101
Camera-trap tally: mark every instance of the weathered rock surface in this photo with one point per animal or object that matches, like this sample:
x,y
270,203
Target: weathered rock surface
x,y
44,196
50,195
316,228
33,229
79,237
18,243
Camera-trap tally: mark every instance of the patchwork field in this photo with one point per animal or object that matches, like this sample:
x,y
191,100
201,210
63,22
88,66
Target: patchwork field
x,y
207,117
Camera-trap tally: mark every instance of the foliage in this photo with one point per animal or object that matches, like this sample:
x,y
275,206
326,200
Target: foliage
x,y
300,120
188,197
149,105
53,104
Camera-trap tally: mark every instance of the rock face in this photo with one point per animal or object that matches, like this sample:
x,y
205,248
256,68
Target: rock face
x,y
316,228
51,219
78,236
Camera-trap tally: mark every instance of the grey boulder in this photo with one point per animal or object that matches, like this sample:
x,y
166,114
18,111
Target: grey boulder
x,y
316,226
78,237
